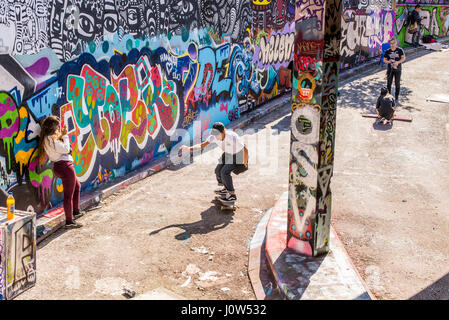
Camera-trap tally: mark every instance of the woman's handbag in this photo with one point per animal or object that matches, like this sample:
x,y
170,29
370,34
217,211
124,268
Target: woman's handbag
x,y
412,28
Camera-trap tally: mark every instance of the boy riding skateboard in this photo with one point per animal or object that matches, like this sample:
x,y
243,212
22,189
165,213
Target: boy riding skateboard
x,y
234,159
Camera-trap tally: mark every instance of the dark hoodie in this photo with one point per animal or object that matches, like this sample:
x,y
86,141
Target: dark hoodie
x,y
385,104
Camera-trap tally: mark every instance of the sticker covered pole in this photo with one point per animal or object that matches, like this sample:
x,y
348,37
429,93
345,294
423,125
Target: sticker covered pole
x,y
314,103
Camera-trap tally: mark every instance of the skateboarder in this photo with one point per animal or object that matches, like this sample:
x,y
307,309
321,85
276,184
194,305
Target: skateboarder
x,y
234,158
385,106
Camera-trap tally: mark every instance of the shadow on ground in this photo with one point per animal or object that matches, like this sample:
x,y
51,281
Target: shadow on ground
x,y
439,290
296,270
382,127
363,94
212,219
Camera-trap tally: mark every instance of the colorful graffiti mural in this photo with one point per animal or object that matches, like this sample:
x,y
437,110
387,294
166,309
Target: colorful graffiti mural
x,y
435,20
124,76
365,26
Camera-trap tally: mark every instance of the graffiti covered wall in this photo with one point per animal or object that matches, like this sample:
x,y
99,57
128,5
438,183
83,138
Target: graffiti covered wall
x,y
434,14
125,75
366,24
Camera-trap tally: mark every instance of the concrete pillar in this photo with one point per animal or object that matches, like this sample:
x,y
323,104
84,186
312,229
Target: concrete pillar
x,y
314,103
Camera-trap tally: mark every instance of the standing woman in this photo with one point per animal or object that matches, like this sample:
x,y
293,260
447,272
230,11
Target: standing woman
x,y
56,146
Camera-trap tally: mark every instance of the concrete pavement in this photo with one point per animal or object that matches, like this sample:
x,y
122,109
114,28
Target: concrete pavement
x,y
389,208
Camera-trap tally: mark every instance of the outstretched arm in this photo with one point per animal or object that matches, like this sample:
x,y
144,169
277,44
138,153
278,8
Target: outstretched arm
x,y
195,147
245,156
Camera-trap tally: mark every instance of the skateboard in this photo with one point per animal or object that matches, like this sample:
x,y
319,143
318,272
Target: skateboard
x,y
226,205
399,118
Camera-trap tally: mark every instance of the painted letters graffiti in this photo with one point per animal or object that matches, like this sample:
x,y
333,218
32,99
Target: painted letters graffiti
x,y
124,75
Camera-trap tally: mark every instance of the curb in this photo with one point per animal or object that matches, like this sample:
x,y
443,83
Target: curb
x,y
53,220
259,274
298,277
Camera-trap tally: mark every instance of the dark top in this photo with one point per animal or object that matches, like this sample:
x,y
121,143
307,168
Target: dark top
x,y
385,104
395,55
414,17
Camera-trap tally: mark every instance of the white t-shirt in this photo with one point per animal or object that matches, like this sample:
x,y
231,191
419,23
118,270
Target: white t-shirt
x,y
231,144
58,150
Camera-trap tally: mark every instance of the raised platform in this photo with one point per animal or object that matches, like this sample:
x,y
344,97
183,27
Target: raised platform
x,y
298,277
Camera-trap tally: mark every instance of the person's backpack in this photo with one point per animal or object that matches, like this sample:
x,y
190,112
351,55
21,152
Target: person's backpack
x,y
428,39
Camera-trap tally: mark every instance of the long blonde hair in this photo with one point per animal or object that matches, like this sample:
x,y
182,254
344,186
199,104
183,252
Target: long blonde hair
x,y
48,128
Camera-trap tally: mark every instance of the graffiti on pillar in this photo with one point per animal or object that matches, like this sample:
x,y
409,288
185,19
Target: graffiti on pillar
x,y
316,65
20,256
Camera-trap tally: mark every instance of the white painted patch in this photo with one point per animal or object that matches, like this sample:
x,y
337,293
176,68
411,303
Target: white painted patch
x,y
201,250
208,275
191,269
111,286
187,282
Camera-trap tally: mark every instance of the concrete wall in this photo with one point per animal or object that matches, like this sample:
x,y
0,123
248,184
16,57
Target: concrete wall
x,y
125,75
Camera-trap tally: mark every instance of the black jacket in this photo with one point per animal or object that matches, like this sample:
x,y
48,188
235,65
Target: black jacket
x,y
414,17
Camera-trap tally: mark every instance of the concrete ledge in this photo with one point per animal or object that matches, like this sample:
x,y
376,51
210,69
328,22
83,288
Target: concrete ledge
x,y
54,219
264,286
329,277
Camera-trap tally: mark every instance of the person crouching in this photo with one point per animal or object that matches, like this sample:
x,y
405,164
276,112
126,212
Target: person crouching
x,y
385,106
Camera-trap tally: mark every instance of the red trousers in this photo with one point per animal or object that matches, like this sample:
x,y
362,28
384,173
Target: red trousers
x,y
66,172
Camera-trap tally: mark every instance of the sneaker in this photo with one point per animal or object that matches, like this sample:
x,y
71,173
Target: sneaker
x,y
72,225
380,120
78,214
221,191
228,197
